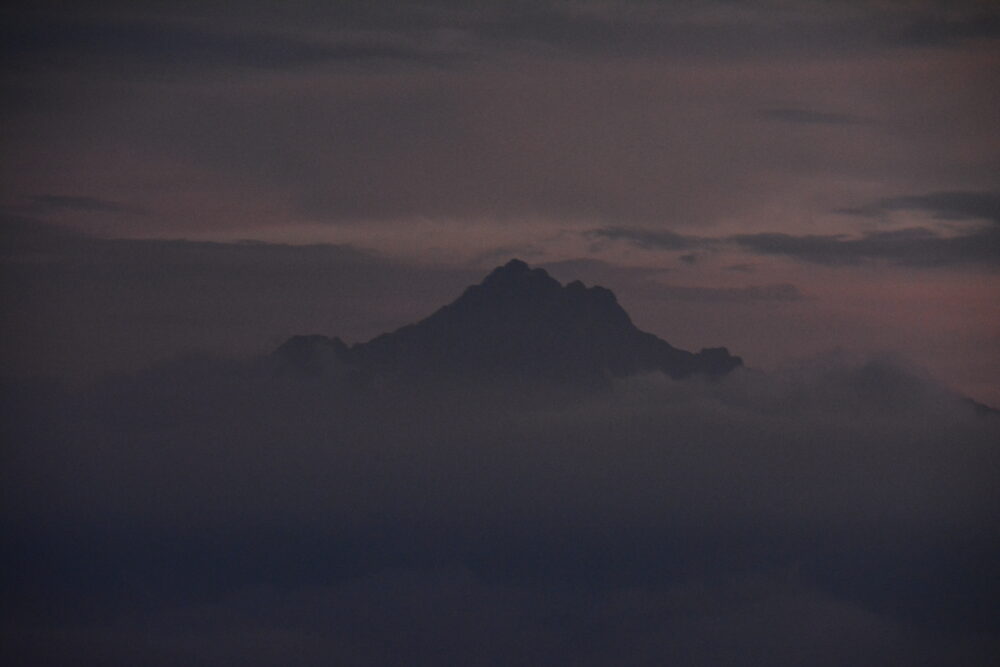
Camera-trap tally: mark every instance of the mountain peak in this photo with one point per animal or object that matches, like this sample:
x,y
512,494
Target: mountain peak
x,y
515,265
522,301
521,323
518,275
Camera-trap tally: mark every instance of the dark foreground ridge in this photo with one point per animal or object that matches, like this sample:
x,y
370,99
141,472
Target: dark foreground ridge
x,y
519,323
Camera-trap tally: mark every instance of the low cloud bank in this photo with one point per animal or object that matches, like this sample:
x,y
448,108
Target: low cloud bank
x,y
240,512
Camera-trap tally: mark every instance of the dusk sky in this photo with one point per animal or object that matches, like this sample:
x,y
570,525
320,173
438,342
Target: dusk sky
x,y
783,178
813,185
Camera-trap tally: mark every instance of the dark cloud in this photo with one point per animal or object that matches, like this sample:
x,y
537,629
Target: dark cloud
x,y
915,246
81,203
632,31
938,31
810,117
548,111
651,239
201,503
700,29
191,35
948,205
779,292
912,246
142,44
909,247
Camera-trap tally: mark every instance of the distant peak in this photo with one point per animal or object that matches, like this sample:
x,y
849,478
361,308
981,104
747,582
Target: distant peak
x,y
519,322
512,269
515,266
517,273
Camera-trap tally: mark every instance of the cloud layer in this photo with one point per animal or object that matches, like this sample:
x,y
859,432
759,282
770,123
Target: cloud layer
x,y
208,500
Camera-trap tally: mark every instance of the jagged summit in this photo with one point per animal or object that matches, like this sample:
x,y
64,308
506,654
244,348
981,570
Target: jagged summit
x,y
519,323
517,296
512,270
517,274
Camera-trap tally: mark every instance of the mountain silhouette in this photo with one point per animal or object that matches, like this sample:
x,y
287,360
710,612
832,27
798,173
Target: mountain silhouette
x,y
518,324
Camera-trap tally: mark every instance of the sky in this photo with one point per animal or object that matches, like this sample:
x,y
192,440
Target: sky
x,y
813,185
780,178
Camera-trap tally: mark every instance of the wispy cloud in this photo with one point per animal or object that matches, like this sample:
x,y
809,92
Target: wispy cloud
x,y
651,239
945,205
810,117
81,203
912,246
431,32
146,43
776,292
929,30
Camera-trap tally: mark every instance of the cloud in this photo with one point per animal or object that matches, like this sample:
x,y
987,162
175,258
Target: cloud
x,y
810,117
213,500
452,613
711,30
913,246
974,244
938,31
187,38
946,205
138,44
778,292
578,113
651,239
81,203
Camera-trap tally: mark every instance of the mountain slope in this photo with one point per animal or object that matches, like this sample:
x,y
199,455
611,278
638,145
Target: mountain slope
x,y
519,324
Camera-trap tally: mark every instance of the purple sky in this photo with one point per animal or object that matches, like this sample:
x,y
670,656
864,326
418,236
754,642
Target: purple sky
x,y
782,178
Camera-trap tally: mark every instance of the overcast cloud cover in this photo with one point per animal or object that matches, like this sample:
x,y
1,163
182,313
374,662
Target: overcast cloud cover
x,y
223,512
813,185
